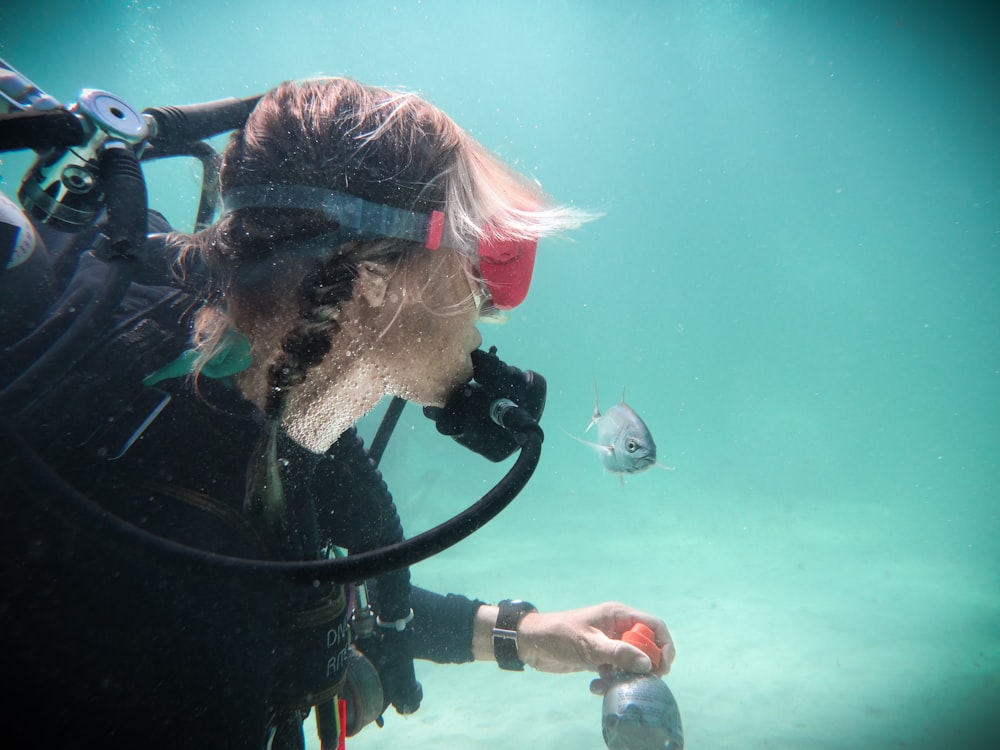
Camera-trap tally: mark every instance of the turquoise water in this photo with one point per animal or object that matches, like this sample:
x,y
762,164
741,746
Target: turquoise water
x,y
795,279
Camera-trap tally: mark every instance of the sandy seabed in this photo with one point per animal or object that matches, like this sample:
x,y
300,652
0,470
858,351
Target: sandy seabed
x,y
800,625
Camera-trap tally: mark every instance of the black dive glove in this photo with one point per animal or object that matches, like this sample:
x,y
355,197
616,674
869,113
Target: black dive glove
x,y
476,413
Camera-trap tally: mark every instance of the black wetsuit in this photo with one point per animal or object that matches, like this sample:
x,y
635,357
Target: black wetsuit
x,y
107,640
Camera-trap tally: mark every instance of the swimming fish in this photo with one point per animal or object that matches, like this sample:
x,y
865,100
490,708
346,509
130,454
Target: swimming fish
x,y
624,442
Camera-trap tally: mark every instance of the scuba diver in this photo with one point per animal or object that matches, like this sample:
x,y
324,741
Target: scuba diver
x,y
197,548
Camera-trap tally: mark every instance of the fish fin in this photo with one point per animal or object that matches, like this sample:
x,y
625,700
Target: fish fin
x,y
664,466
597,409
623,394
596,446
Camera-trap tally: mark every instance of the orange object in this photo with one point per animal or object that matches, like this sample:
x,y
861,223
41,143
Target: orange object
x,y
641,637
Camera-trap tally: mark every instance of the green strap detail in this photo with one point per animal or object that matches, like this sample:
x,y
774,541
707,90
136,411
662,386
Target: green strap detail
x,y
233,357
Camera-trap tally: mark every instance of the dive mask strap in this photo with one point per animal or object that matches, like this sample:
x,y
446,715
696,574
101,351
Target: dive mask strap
x,y
353,214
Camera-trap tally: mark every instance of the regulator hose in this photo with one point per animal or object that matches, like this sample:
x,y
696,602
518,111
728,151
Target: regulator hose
x,y
366,519
197,122
40,130
56,494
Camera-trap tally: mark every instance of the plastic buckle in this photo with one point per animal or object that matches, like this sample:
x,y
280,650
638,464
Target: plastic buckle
x,y
398,625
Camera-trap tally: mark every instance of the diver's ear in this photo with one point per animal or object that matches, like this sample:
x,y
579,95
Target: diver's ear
x,y
372,282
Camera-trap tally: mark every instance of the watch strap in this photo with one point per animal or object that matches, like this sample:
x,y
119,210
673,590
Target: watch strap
x,y
505,633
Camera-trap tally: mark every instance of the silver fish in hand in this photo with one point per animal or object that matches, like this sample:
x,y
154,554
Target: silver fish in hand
x,y
624,443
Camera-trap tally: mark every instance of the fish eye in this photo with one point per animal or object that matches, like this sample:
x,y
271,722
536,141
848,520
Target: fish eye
x,y
631,446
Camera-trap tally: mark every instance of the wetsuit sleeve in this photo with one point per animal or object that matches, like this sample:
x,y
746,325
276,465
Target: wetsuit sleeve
x,y
442,626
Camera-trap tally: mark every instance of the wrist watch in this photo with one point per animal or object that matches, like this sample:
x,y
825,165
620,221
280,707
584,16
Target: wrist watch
x,y
505,633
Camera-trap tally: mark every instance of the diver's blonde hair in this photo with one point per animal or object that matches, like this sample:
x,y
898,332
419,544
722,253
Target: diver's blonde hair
x,y
387,147
383,145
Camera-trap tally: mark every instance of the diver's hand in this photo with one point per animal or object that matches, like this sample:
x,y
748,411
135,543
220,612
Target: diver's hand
x,y
580,640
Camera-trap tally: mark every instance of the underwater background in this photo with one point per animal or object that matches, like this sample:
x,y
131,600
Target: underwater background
x,y
794,279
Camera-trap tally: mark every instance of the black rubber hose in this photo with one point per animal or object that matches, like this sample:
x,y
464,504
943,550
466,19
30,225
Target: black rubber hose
x,y
125,199
366,519
381,439
53,128
345,570
198,122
